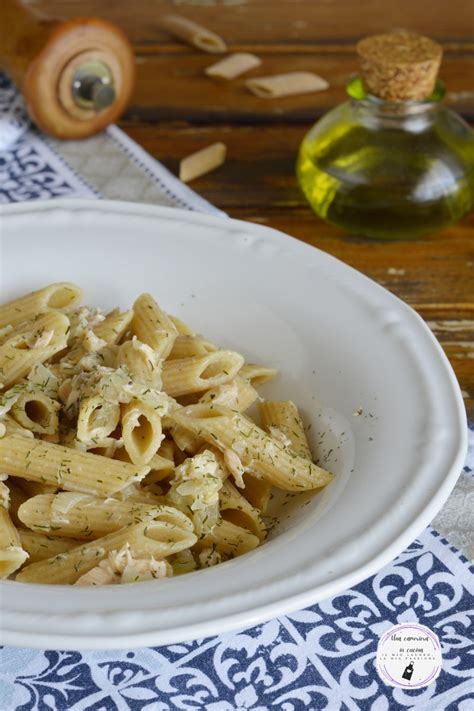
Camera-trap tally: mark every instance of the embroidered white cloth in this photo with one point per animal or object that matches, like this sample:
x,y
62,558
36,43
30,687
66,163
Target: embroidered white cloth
x,y
319,658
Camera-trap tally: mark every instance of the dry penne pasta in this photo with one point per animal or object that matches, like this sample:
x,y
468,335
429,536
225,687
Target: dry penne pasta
x,y
272,87
193,34
152,326
64,467
124,453
282,420
233,66
191,375
12,555
53,297
83,517
259,453
156,538
43,545
202,162
34,343
114,325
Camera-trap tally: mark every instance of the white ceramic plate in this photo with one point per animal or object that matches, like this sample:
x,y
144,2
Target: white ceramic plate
x,y
343,345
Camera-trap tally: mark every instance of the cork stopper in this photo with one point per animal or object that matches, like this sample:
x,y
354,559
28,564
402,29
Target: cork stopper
x,y
401,66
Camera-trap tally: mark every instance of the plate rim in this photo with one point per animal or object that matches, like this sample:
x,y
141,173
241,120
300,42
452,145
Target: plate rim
x,y
285,604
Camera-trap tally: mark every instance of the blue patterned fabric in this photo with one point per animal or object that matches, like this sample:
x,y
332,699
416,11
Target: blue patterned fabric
x,y
319,658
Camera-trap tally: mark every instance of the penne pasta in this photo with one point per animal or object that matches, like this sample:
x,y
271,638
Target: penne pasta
x,y
152,326
35,342
36,412
193,34
259,453
53,297
83,517
124,453
238,394
233,66
257,491
12,555
43,545
191,375
97,419
141,362
288,84
156,538
282,420
236,509
230,539
257,374
67,468
188,346
113,327
182,328
202,162
141,431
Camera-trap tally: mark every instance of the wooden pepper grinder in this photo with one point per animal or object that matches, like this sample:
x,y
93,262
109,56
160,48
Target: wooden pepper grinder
x,y
76,76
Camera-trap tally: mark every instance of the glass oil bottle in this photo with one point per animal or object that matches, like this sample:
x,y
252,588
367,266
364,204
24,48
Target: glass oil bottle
x,y
392,162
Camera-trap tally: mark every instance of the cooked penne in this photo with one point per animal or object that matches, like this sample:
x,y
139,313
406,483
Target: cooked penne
x,y
257,374
233,66
53,297
113,327
157,538
43,545
238,394
161,464
83,517
182,328
236,509
188,346
202,162
195,489
230,539
97,419
259,453
13,427
33,343
282,420
141,431
67,468
36,412
257,491
192,375
152,326
17,497
124,453
141,362
193,34
12,555
287,84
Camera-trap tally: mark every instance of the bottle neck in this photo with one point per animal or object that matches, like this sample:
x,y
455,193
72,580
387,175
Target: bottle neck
x,y
409,115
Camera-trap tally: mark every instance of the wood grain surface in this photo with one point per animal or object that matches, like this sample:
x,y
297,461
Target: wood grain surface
x,y
176,110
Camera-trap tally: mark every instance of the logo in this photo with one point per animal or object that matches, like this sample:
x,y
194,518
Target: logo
x,y
409,656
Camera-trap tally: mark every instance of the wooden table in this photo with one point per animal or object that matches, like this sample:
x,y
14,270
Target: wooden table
x,y
177,110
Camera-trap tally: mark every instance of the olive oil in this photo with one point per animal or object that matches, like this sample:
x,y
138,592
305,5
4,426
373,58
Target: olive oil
x,y
389,169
